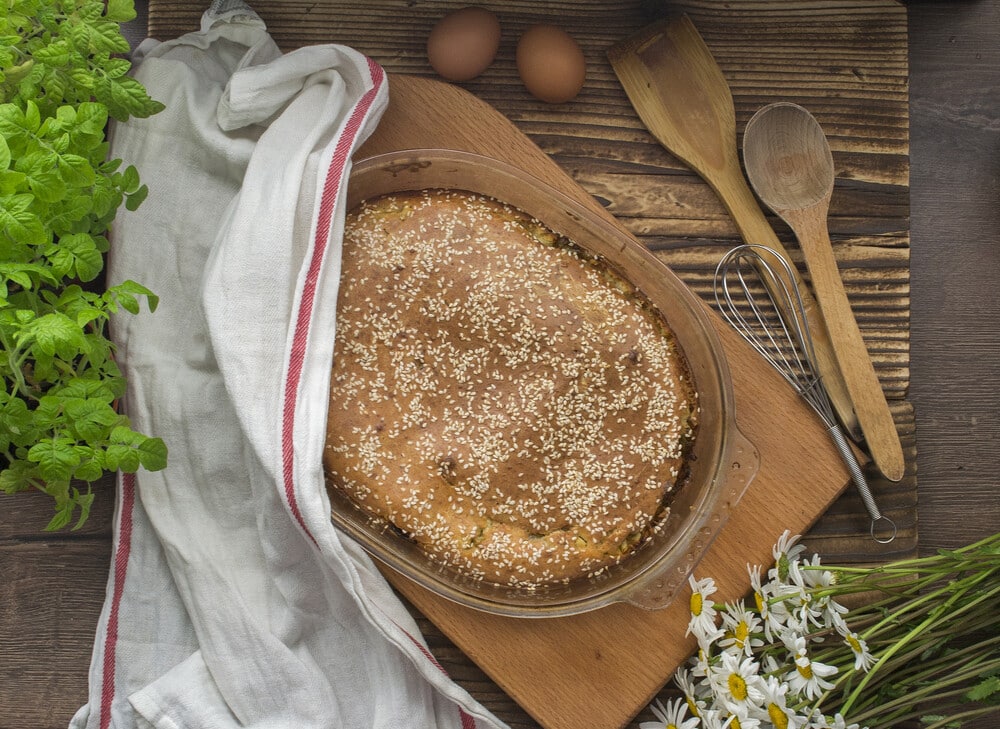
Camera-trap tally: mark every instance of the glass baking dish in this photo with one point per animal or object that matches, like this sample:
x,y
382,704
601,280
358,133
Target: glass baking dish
x,y
722,464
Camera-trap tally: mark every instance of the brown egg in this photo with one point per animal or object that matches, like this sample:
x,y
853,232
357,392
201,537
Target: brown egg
x,y
464,43
550,63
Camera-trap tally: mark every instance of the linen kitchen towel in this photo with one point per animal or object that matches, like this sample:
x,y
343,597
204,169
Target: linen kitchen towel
x,y
232,600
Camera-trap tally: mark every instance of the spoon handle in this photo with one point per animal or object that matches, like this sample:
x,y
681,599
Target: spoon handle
x,y
852,354
734,191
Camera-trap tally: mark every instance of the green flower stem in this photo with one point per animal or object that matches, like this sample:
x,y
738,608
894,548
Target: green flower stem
x,y
933,617
939,603
15,360
918,692
942,670
950,720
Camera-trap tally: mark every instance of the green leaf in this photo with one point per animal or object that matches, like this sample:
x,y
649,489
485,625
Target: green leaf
x,y
119,457
129,180
152,454
117,67
92,419
87,389
55,334
134,200
53,54
120,10
19,274
56,459
107,36
82,77
76,170
984,689
18,222
4,154
76,255
18,476
62,517
71,211
128,97
32,117
125,293
12,182
89,470
129,451
16,423
83,503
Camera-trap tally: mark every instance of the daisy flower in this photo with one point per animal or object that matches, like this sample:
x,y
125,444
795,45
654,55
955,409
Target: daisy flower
x,y
692,692
863,659
737,681
774,707
808,677
716,719
672,716
785,551
840,722
820,610
772,615
740,626
700,662
739,718
702,621
758,589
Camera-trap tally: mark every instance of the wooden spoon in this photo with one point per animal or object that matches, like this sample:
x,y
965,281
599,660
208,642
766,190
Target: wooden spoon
x,y
789,163
683,99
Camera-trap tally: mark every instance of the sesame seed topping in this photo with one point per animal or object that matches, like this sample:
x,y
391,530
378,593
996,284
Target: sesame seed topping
x,y
502,397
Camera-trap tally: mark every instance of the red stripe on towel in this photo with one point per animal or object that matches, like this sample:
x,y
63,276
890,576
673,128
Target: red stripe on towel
x,y
468,721
122,551
327,206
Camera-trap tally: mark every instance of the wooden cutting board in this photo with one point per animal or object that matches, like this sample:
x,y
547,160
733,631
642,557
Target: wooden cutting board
x,y
845,60
562,670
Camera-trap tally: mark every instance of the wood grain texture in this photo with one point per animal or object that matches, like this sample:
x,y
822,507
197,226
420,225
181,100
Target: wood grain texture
x,y
954,144
956,219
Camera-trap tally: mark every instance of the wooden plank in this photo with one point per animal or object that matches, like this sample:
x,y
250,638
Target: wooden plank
x,y
51,592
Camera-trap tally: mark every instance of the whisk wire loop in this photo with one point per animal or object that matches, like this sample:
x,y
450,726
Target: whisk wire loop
x,y
755,291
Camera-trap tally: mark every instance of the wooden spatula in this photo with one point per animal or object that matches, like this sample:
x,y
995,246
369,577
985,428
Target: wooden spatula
x,y
684,100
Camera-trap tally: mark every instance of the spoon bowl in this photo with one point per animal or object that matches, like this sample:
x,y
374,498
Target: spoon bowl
x,y
788,159
790,166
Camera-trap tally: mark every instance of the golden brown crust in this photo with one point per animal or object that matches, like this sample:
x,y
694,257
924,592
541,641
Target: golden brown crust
x,y
503,400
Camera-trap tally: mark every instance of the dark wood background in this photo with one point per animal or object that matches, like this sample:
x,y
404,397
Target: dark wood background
x,y
51,588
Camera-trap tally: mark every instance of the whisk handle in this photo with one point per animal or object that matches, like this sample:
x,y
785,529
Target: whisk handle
x,y
858,477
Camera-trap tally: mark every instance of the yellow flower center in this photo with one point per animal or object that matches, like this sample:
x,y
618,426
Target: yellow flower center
x,y
737,687
854,643
759,600
805,671
734,723
696,604
777,716
742,632
692,707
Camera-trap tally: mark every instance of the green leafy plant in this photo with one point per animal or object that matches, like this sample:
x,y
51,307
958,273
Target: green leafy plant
x,y
61,78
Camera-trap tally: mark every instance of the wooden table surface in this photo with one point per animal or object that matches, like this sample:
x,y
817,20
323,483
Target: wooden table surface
x,y
51,587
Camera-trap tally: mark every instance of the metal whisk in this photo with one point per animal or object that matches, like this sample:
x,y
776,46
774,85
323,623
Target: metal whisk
x,y
756,292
